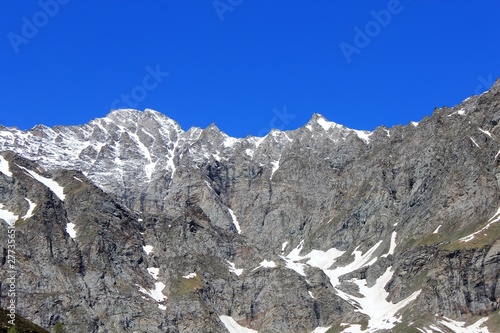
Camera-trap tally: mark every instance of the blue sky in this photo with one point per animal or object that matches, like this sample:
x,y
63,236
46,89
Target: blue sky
x,y
245,65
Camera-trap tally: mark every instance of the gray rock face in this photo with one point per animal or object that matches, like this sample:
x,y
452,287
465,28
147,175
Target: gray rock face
x,y
178,231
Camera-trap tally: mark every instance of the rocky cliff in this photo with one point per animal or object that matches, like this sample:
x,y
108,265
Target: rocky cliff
x,y
130,224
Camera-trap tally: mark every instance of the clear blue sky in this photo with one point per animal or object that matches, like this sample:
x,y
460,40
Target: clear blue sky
x,y
245,65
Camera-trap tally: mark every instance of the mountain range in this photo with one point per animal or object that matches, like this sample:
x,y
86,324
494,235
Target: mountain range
x,y
131,224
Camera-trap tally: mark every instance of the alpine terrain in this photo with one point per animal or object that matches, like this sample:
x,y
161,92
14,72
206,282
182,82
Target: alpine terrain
x,y
131,224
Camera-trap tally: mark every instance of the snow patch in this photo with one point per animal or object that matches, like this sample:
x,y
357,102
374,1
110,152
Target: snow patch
x,y
249,152
383,314
51,184
154,271
321,329
190,276
435,328
283,247
4,167
324,123
233,327
233,269
216,156
351,328
287,137
460,112
424,330
229,142
235,221
414,123
363,135
459,326
392,246
474,141
320,259
267,264
148,249
437,229
9,217
257,140
323,259
70,229
360,260
311,294
156,293
295,266
149,168
32,207
170,161
76,178
276,165
486,132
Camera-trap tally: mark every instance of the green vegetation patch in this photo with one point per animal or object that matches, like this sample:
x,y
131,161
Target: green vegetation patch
x,y
493,322
480,240
449,236
184,286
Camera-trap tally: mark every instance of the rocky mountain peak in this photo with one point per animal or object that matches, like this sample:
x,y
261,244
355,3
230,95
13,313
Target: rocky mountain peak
x,y
325,124
148,118
212,132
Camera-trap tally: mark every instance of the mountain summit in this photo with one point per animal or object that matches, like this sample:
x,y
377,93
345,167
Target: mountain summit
x,y
131,224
